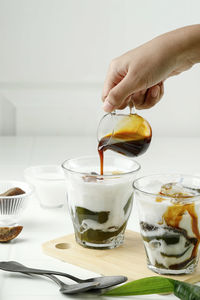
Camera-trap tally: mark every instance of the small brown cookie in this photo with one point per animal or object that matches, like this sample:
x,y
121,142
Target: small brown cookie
x,y
13,192
9,233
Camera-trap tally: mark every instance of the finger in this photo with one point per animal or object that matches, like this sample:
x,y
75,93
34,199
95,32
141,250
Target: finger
x,y
118,94
161,89
126,103
152,97
139,98
122,106
113,77
110,83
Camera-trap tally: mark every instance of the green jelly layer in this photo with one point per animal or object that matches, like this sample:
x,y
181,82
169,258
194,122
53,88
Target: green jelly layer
x,y
170,237
99,236
128,204
83,213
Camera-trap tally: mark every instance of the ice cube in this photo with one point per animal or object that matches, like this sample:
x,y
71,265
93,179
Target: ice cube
x,y
176,190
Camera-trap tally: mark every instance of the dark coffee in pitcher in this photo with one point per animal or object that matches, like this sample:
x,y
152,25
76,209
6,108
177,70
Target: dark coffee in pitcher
x,y
128,142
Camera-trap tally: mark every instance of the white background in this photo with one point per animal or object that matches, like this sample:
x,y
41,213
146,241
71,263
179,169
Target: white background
x,y
54,55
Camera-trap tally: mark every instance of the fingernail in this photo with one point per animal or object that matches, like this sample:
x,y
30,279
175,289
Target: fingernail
x,y
108,107
155,91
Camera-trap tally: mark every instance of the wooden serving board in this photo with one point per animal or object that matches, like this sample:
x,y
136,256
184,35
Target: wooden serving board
x,y
128,260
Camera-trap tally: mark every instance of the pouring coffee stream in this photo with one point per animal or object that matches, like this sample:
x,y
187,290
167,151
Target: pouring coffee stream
x,y
131,136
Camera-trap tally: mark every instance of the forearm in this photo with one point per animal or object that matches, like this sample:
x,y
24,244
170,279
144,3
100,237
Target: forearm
x,y
191,36
186,44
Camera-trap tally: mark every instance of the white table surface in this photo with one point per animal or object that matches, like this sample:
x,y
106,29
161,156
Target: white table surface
x,y
175,155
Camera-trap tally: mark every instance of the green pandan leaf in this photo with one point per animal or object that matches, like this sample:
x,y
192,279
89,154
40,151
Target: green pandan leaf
x,y
186,291
144,286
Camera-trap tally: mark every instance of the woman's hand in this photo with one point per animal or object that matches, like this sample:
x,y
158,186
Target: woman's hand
x,y
136,78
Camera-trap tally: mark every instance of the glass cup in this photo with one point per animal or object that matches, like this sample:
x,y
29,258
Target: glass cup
x,y
169,213
100,205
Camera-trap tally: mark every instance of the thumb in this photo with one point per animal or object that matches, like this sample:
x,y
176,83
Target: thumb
x,y
119,93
